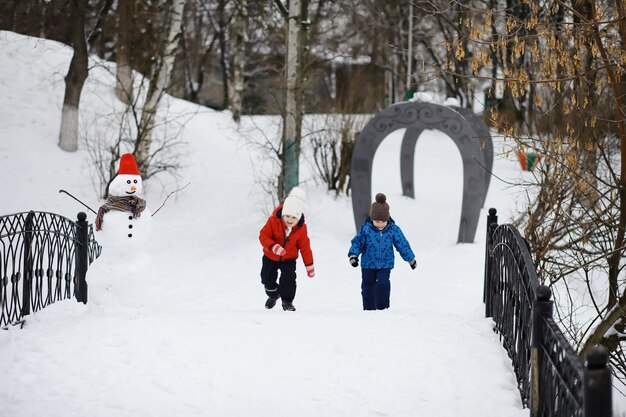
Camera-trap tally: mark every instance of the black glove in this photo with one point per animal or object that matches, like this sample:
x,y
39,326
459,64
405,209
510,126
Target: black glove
x,y
413,264
354,260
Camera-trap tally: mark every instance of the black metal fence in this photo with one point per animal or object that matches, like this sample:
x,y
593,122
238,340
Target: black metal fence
x,y
43,258
552,379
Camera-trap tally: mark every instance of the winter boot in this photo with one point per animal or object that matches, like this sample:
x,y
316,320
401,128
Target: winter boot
x,y
288,306
270,303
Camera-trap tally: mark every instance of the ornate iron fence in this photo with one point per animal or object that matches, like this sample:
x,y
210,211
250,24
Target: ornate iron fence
x,y
43,259
552,379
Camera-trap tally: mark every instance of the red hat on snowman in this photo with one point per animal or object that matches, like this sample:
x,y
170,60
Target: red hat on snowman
x,y
128,165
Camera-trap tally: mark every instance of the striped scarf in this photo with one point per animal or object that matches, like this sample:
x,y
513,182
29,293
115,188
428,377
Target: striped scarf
x,y
129,203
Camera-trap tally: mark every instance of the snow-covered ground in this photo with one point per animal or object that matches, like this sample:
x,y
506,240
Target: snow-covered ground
x,y
187,334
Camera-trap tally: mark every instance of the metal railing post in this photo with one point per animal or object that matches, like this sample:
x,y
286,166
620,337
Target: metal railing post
x,y
542,309
597,385
29,261
492,224
82,258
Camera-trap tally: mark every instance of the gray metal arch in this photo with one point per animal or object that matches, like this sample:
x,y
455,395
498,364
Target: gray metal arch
x,y
416,117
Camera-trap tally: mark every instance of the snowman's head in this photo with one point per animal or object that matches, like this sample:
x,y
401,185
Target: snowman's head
x,y
125,185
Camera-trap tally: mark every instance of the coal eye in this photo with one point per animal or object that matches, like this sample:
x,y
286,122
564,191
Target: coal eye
x,y
128,182
135,181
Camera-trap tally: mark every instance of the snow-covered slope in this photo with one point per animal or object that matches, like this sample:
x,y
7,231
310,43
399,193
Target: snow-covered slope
x,y
187,334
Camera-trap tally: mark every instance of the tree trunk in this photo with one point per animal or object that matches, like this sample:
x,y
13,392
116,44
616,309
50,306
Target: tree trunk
x,y
238,62
124,81
161,71
75,79
303,42
291,134
223,51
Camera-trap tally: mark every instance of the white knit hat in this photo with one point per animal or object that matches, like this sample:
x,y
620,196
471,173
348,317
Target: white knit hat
x,y
294,203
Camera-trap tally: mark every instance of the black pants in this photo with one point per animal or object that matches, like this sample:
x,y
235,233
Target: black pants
x,y
286,287
375,288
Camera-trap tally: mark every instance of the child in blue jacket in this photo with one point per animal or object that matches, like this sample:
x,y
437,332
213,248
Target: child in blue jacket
x,y
375,241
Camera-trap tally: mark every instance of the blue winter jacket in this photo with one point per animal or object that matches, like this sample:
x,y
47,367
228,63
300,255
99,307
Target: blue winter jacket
x,y
376,246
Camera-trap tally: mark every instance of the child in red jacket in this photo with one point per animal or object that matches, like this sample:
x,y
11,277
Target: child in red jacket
x,y
283,235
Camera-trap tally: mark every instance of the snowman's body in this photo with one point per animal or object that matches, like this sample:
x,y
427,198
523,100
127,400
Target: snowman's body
x,y
121,230
124,259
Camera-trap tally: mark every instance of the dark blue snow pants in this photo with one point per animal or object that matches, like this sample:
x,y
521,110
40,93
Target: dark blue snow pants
x,y
286,288
375,288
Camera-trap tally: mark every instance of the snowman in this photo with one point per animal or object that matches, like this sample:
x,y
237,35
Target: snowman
x,y
123,228
123,221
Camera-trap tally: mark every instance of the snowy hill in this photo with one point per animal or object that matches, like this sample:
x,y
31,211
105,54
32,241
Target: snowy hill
x,y
188,335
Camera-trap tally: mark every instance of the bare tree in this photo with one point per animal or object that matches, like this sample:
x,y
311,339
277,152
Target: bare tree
x,y
238,60
332,150
563,98
75,79
159,79
292,116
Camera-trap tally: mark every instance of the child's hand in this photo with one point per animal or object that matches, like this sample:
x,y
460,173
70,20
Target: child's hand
x,y
354,260
310,271
413,264
278,250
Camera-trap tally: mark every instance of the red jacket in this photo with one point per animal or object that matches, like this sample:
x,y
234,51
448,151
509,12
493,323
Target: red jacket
x,y
298,240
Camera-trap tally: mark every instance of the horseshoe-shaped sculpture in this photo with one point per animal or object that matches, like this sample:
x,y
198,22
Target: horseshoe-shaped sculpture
x,y
476,152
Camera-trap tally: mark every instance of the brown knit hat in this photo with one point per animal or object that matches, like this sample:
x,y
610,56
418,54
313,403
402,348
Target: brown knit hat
x,y
380,208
